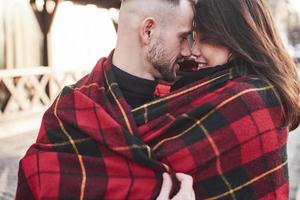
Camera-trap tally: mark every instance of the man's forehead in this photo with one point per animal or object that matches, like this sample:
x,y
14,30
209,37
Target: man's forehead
x,y
171,2
163,11
185,16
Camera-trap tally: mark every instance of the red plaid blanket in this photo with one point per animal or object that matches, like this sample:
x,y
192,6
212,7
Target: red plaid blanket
x,y
225,130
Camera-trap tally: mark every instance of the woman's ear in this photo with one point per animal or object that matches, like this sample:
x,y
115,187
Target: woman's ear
x,y
146,29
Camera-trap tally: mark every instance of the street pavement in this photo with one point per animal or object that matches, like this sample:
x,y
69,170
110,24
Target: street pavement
x,y
11,150
293,150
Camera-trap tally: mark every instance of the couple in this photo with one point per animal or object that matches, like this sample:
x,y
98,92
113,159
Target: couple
x,y
219,134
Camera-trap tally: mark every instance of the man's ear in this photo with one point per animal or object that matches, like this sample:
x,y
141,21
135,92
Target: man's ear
x,y
147,28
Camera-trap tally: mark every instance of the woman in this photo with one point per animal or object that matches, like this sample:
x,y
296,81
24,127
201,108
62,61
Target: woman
x,y
243,30
261,93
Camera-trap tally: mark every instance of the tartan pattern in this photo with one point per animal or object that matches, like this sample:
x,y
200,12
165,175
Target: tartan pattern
x,y
225,130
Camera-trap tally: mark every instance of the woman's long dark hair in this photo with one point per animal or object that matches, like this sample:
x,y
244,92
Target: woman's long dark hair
x,y
246,27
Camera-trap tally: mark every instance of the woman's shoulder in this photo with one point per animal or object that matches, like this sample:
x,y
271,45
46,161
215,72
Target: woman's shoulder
x,y
250,81
255,91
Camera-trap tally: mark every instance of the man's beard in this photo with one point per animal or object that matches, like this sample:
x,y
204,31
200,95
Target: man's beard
x,y
157,57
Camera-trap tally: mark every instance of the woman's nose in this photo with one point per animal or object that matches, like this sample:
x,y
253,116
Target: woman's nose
x,y
196,49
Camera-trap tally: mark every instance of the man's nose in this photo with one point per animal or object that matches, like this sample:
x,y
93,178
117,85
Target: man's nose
x,y
186,50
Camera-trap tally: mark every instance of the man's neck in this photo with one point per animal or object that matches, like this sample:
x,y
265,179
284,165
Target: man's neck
x,y
136,91
132,63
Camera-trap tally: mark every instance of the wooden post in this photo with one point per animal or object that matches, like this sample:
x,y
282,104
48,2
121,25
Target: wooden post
x,y
45,18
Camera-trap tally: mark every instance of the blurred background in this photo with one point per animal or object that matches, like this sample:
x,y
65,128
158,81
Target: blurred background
x,y
46,44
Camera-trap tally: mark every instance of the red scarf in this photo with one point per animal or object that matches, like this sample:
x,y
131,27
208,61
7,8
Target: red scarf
x,y
224,130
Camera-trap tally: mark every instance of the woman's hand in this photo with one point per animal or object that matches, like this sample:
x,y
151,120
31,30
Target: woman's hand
x,y
186,191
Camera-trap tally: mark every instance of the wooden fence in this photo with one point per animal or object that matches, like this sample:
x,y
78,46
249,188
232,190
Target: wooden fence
x,y
31,90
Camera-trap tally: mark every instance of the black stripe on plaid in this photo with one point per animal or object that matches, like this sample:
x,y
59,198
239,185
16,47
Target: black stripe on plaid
x,y
215,186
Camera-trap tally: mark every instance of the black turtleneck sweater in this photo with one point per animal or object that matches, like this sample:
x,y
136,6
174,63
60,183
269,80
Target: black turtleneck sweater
x,y
136,91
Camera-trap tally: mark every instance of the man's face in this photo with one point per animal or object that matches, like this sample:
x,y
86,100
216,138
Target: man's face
x,y
171,46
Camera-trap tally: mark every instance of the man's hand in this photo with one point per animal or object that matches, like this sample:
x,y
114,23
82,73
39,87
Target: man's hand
x,y
186,191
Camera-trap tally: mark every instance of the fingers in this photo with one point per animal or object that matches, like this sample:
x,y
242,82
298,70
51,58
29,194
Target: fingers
x,y
186,187
185,180
165,188
186,191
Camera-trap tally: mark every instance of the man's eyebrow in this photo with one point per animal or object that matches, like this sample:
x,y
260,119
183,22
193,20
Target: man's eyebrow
x,y
185,33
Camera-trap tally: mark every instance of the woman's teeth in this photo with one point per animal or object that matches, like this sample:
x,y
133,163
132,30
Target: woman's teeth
x,y
180,60
201,65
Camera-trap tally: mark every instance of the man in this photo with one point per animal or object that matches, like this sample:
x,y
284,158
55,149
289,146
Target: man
x,y
89,145
149,48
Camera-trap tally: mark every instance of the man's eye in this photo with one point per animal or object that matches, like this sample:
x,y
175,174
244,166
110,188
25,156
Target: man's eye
x,y
182,39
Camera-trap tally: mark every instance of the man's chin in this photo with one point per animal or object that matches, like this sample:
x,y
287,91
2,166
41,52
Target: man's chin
x,y
169,79
167,75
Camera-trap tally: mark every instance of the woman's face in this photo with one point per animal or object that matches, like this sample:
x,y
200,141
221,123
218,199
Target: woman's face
x,y
207,54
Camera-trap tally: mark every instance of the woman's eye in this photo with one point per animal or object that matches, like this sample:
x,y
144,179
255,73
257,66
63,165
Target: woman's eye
x,y
203,39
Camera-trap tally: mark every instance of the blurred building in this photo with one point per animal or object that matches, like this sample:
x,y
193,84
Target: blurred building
x,y
46,44
287,17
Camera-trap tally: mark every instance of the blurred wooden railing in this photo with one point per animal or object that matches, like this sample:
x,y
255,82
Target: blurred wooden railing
x,y
31,90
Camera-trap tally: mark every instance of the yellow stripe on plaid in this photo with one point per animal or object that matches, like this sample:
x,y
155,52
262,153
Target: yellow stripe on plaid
x,y
218,161
276,94
146,115
134,146
119,105
249,182
78,141
279,100
170,116
179,93
83,183
140,147
198,122
90,85
124,148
